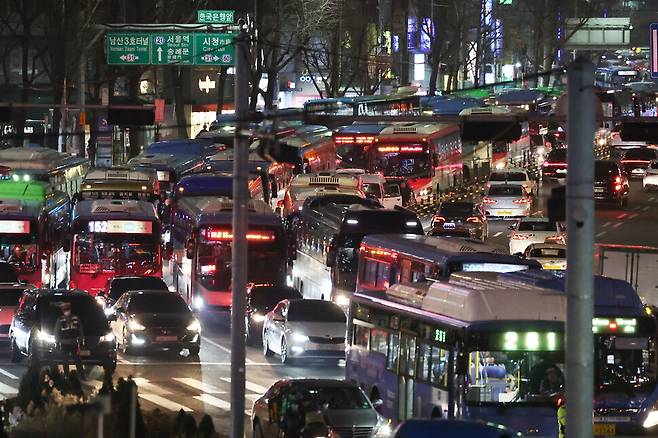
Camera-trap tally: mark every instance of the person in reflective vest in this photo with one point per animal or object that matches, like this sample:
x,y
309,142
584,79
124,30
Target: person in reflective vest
x,y
562,419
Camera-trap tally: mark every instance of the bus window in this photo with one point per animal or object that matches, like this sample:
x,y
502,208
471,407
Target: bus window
x,y
361,336
424,354
439,366
408,355
379,340
392,359
418,271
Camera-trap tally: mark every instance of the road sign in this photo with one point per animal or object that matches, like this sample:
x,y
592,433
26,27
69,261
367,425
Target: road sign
x,y
215,16
171,48
167,48
214,49
128,48
653,40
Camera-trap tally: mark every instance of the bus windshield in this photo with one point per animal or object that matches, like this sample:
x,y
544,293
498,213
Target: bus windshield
x,y
19,250
513,376
624,364
409,160
125,253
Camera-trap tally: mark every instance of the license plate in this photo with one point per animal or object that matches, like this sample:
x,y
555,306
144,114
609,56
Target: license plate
x,y
602,429
449,225
562,171
505,213
554,267
84,353
599,189
166,338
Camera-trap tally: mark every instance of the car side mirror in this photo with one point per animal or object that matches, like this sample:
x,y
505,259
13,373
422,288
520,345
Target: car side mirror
x,y
377,403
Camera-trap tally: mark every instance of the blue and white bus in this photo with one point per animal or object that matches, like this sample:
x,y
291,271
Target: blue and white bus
x,y
169,167
385,260
464,348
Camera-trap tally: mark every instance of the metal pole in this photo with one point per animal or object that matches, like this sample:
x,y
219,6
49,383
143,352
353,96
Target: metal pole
x,y
580,253
133,408
82,86
239,253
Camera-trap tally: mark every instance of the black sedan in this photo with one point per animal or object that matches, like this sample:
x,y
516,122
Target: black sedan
x,y
36,330
155,320
117,286
260,300
460,218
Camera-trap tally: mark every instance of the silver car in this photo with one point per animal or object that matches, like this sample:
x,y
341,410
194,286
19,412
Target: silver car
x,y
506,201
346,410
305,328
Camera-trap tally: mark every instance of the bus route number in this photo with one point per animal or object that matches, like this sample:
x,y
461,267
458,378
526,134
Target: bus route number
x,y
98,226
530,341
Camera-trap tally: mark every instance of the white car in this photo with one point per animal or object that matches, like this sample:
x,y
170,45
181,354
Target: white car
x,y
552,256
513,176
650,179
531,230
506,201
305,329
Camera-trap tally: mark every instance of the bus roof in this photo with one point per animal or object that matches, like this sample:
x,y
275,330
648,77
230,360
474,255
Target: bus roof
x,y
24,191
483,296
519,96
324,179
212,210
186,146
432,248
365,128
118,174
210,184
163,160
113,208
117,185
37,159
392,133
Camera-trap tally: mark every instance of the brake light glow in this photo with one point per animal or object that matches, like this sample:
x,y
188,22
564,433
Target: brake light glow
x,y
617,187
377,253
218,235
473,219
519,237
390,149
556,238
356,139
208,269
522,201
439,219
618,179
489,201
635,161
555,164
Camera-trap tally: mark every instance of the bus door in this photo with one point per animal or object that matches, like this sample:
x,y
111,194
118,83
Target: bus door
x,y
406,376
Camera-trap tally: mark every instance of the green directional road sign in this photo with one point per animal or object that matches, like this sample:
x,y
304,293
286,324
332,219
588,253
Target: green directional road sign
x,y
128,48
167,48
172,48
215,17
214,49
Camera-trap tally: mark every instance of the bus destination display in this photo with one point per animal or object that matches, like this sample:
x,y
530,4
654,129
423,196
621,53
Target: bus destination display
x,y
120,227
14,227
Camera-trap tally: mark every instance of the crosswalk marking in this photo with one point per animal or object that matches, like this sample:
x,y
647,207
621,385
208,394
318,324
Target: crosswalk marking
x,y
213,401
249,385
144,384
197,384
8,374
6,389
164,402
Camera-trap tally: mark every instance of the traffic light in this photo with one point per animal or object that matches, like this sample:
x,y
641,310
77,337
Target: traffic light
x,y
557,204
130,116
492,130
639,131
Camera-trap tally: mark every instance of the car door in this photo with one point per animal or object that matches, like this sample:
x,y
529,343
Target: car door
x,y
23,320
120,310
278,323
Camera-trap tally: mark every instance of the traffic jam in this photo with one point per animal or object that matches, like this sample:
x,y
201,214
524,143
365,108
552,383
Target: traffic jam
x,y
396,270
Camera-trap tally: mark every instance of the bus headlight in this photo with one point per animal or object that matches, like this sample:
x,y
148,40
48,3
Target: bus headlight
x,y
342,300
383,428
298,337
258,317
651,420
194,326
108,337
198,302
135,326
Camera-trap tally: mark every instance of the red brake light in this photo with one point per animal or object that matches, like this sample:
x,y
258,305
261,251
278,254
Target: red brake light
x,y
617,187
489,201
618,179
439,219
519,237
556,238
473,219
522,201
220,235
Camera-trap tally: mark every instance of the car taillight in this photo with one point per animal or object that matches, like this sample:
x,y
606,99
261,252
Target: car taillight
x,y
473,219
439,219
617,187
489,201
519,237
546,164
521,201
618,179
556,239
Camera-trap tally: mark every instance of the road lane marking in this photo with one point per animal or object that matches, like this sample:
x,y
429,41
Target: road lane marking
x,y
254,387
646,208
621,216
617,225
607,224
601,233
8,374
498,234
633,216
7,389
197,384
220,346
637,207
144,384
213,401
164,402
652,198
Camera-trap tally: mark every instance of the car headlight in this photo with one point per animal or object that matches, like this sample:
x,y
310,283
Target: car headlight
x,y
194,326
342,300
652,419
298,337
135,326
383,428
45,337
198,302
258,317
108,337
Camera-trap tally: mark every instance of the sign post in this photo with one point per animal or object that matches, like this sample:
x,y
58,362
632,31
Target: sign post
x,y
653,43
128,48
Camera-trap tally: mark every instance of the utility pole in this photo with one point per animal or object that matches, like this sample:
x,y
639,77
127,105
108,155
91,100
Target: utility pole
x,y
580,252
239,252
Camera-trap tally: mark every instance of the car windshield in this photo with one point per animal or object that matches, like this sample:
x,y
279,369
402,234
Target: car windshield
x,y
507,176
92,318
10,297
315,311
640,154
372,189
624,363
338,397
603,169
410,164
537,226
392,189
158,302
557,155
95,253
121,285
267,297
557,253
506,191
456,209
515,376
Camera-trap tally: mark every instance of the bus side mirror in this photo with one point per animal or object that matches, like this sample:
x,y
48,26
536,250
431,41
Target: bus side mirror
x,y
189,249
377,403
